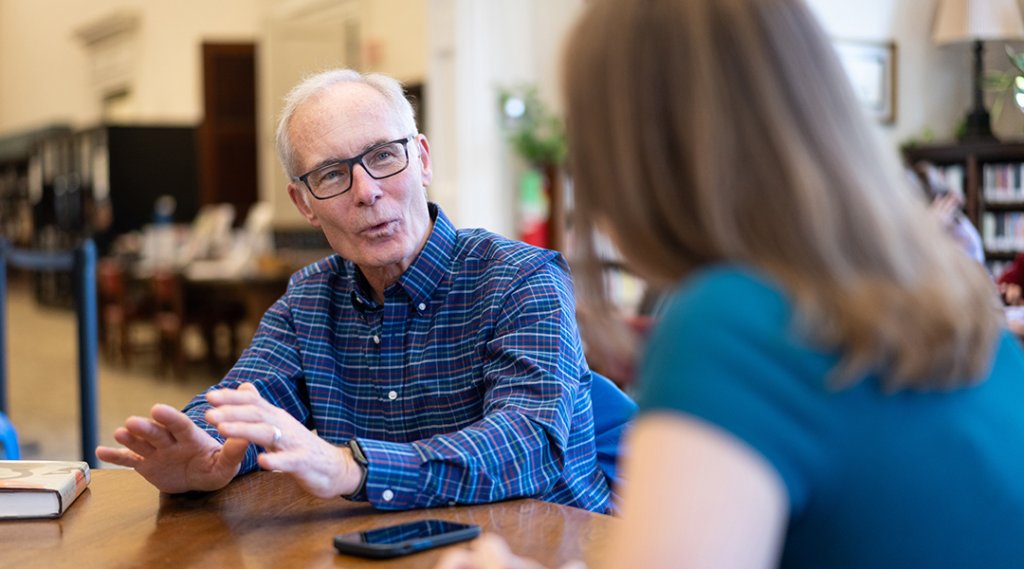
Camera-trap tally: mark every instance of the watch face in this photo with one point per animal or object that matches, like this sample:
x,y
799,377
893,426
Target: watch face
x,y
357,452
360,459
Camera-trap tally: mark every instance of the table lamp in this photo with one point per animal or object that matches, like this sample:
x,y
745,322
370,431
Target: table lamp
x,y
960,21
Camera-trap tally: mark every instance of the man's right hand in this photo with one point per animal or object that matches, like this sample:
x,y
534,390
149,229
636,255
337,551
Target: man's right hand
x,y
174,454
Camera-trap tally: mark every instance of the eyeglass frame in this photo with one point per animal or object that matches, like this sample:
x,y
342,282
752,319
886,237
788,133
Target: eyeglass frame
x,y
353,162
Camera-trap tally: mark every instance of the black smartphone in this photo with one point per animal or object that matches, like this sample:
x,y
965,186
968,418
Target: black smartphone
x,y
403,539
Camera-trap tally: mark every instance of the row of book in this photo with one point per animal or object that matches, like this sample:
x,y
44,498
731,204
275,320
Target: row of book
x,y
1002,183
1003,231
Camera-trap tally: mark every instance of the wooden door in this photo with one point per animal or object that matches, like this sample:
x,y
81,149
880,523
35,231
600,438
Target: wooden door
x,y
227,135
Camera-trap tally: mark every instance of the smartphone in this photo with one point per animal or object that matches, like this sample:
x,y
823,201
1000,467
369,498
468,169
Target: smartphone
x,y
403,539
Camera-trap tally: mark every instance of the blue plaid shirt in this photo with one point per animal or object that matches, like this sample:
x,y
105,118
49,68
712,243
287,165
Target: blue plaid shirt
x,y
467,385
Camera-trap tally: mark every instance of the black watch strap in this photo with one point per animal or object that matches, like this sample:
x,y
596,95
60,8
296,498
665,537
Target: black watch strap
x,y
360,458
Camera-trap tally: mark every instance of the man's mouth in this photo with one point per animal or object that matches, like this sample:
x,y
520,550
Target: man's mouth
x,y
380,229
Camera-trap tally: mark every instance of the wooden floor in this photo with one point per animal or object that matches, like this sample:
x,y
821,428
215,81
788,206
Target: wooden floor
x,y
43,381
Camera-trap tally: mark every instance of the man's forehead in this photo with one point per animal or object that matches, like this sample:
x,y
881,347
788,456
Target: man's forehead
x,y
353,116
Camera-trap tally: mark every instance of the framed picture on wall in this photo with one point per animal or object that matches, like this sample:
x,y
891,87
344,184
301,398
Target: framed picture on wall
x,y
871,67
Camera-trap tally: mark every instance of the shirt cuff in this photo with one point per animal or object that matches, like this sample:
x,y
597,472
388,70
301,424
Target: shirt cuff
x,y
392,474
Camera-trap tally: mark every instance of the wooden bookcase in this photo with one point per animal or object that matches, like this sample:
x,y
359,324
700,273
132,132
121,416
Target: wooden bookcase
x,y
991,177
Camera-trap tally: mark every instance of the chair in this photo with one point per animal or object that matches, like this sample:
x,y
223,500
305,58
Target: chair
x,y
119,310
170,321
8,440
613,411
81,261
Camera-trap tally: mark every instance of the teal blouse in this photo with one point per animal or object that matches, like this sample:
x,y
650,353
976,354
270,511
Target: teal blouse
x,y
874,480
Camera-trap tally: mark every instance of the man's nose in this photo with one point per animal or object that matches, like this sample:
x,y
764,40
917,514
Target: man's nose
x,y
365,189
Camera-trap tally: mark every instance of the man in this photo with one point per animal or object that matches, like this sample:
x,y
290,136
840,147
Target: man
x,y
436,366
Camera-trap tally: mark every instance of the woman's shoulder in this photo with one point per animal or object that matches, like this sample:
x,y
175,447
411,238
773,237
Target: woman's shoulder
x,y
721,293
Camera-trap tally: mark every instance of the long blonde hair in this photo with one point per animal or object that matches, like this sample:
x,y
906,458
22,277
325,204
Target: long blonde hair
x,y
705,131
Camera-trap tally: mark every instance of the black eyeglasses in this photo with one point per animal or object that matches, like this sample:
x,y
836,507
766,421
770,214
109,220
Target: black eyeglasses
x,y
381,161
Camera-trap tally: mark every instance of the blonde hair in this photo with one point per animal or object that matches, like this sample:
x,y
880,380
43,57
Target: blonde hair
x,y
705,131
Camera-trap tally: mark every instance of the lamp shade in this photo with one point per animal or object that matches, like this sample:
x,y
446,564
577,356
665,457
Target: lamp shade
x,y
969,20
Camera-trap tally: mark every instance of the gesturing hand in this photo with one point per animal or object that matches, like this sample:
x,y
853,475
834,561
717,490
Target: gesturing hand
x,y
491,552
323,469
173,454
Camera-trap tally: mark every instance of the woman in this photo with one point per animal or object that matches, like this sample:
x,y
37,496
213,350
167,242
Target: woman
x,y
829,385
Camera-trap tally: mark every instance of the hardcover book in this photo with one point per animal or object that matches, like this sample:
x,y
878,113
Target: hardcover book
x,y
40,488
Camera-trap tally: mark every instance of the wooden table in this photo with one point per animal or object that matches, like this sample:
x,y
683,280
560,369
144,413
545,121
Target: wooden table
x,y
263,520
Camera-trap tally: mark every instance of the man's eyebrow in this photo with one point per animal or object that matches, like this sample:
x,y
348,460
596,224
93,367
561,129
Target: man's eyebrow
x,y
327,161
379,141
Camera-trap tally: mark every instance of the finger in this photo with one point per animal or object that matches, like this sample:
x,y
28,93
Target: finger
x,y
118,456
492,552
238,414
246,394
285,460
457,559
136,444
178,425
233,451
144,429
262,434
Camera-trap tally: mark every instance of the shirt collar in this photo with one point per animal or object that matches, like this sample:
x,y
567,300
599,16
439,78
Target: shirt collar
x,y
423,277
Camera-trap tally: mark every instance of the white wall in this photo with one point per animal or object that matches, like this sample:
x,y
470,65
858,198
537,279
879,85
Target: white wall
x,y
933,85
300,37
475,48
465,49
44,75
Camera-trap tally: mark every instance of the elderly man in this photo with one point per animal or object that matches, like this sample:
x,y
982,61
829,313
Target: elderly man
x,y
421,365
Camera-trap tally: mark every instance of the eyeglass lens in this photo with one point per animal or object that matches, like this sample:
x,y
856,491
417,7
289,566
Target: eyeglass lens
x,y
380,162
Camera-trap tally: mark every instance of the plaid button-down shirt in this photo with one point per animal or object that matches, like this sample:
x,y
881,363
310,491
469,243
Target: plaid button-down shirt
x,y
467,385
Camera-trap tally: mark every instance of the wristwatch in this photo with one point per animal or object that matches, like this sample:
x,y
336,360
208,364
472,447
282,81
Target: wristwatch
x,y
360,458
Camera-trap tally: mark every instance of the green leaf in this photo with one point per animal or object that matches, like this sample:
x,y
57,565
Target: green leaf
x,y
535,133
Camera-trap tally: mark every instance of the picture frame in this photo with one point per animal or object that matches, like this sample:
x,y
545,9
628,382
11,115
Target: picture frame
x,y
871,68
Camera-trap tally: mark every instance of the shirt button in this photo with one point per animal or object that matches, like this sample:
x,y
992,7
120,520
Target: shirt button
x,y
388,495
392,395
421,306
376,339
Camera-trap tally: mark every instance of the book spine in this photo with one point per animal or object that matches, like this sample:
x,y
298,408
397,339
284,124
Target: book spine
x,y
72,489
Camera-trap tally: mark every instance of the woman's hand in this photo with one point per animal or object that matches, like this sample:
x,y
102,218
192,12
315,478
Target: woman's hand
x,y
491,552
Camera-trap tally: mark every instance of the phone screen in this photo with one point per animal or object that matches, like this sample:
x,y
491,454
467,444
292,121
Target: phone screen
x,y
405,538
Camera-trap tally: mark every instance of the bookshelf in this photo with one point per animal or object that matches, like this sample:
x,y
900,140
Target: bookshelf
x,y
990,177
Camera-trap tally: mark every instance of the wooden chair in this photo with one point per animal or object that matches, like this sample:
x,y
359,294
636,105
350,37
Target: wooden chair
x,y
170,320
117,312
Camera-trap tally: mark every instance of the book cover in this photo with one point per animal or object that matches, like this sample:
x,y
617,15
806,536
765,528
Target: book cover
x,y
40,488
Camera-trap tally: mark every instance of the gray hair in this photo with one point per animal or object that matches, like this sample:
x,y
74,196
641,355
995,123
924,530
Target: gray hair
x,y
313,85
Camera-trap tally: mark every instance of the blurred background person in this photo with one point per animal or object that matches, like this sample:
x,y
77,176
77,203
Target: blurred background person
x,y
947,207
829,384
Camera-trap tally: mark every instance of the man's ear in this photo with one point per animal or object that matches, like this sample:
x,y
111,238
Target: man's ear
x,y
300,197
424,161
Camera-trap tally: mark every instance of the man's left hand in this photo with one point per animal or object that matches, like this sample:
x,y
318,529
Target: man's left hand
x,y
323,469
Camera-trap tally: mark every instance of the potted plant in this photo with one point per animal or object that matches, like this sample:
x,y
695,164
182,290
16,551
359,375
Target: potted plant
x,y
538,136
